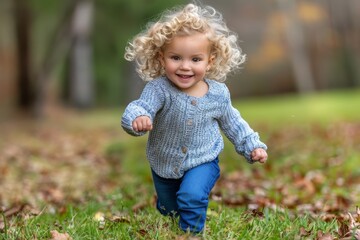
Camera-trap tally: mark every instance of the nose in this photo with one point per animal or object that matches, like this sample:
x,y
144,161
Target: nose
x,y
185,65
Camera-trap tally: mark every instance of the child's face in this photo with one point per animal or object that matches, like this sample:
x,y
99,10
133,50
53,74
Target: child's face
x,y
186,60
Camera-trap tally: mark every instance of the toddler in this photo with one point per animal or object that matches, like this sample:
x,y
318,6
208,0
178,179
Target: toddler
x,y
185,56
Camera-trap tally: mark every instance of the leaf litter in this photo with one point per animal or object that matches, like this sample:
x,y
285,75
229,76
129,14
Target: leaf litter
x,y
55,165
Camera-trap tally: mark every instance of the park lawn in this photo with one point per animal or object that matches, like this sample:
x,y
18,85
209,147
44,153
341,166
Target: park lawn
x,y
79,175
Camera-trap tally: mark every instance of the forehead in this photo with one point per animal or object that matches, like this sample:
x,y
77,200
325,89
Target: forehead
x,y
197,42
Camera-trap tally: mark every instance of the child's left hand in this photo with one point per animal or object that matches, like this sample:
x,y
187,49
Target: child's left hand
x,y
259,154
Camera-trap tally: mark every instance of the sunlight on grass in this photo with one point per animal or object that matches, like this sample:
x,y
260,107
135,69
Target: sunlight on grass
x,y
322,107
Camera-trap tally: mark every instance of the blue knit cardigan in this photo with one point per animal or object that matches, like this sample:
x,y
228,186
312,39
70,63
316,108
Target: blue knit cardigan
x,y
186,129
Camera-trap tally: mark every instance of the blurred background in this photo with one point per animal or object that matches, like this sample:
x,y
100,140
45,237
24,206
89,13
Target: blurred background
x,y
70,53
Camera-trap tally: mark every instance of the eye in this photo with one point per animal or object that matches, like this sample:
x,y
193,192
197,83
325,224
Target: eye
x,y
176,58
196,59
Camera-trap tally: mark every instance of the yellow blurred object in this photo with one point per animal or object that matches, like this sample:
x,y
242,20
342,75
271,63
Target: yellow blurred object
x,y
311,12
99,217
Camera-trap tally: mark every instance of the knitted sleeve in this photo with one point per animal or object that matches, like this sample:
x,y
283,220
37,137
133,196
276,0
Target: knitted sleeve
x,y
238,131
150,102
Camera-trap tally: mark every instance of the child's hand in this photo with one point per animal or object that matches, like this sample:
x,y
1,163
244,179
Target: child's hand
x,y
142,124
259,154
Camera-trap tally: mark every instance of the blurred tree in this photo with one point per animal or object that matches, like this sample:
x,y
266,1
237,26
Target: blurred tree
x,y
298,54
344,18
22,21
80,77
63,29
32,81
57,47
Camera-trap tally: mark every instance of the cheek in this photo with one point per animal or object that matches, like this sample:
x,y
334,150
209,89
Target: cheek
x,y
170,66
201,69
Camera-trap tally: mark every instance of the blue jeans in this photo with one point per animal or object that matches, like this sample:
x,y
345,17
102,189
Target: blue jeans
x,y
187,197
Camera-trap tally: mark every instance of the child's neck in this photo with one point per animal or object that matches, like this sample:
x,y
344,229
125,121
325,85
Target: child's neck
x,y
200,89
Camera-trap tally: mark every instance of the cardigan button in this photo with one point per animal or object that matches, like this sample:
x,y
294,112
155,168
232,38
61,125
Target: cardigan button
x,y
189,122
193,102
184,149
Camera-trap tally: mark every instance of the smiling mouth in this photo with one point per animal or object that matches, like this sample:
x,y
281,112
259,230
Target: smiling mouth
x,y
184,76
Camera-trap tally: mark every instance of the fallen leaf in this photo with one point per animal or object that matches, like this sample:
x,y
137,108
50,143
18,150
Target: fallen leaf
x,y
13,210
139,206
54,195
55,235
119,219
343,228
304,232
357,234
2,226
306,185
256,213
143,232
324,236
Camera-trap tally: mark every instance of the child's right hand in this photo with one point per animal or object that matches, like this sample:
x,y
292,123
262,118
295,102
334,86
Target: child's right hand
x,y
142,124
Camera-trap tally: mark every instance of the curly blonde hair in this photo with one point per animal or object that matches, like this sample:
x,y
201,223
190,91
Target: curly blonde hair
x,y
146,47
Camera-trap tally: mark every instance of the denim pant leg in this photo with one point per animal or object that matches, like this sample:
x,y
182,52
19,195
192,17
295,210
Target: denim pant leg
x,y
166,190
193,195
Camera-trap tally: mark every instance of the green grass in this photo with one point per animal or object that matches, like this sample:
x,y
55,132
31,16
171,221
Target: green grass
x,y
298,130
229,223
323,107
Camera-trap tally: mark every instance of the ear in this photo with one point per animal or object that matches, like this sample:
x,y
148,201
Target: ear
x,y
211,60
161,58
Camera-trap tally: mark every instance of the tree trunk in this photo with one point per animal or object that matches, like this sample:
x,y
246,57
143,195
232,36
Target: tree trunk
x,y
57,48
22,30
80,67
295,37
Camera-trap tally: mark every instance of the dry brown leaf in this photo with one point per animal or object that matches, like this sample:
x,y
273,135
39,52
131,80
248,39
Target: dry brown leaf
x,y
256,213
139,206
142,232
343,202
291,201
343,228
306,185
304,232
324,236
352,221
13,210
357,234
120,219
2,226
54,195
55,235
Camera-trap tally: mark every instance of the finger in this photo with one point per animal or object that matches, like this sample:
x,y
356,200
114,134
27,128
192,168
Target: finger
x,y
264,157
262,160
256,155
144,124
259,155
148,124
140,125
135,126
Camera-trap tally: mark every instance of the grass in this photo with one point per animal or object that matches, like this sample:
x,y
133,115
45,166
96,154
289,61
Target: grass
x,y
227,224
323,107
299,132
